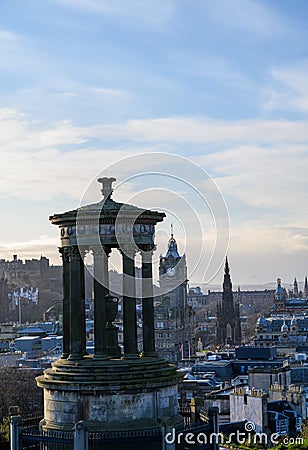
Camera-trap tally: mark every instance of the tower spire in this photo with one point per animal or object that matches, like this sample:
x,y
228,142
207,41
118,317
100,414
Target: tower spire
x,y
227,269
306,287
227,284
295,287
228,313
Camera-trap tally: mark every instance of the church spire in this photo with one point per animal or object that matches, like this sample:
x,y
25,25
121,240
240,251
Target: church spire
x,y
306,288
227,269
228,313
227,285
295,288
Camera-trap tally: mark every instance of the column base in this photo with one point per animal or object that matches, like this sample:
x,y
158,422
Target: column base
x,y
149,354
75,357
100,357
130,356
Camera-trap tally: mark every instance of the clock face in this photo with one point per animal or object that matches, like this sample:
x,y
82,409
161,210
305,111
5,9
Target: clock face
x,y
171,271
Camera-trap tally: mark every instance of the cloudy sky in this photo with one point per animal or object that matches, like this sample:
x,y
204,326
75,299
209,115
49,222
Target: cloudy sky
x,y
85,84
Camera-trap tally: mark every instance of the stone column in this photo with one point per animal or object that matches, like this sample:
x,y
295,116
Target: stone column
x,y
147,303
77,314
83,302
65,301
129,303
101,290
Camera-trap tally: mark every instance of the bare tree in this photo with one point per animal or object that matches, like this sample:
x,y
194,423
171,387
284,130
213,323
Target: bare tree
x,y
18,387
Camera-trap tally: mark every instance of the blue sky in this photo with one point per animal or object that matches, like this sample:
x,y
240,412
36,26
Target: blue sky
x,y
224,83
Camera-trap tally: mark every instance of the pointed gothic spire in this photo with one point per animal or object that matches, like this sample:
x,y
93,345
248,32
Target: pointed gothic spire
x,y
306,287
227,270
227,284
295,287
228,312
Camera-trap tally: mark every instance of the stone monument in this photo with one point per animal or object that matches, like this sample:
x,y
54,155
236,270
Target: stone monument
x,y
109,390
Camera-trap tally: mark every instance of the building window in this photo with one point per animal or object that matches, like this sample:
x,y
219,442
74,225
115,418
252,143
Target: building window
x,y
160,325
282,427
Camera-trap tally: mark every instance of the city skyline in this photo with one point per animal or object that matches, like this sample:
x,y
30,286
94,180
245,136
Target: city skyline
x,y
87,84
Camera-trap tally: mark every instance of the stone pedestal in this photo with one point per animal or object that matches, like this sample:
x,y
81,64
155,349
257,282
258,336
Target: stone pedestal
x,y
113,349
113,395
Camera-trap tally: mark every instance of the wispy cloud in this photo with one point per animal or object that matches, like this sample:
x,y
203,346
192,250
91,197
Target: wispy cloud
x,y
151,13
270,180
197,130
251,16
273,154
33,248
17,52
288,89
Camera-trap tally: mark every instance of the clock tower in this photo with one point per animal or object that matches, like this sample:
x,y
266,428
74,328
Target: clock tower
x,y
173,275
174,317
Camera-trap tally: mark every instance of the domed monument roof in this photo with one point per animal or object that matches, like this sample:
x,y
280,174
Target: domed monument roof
x,y
110,222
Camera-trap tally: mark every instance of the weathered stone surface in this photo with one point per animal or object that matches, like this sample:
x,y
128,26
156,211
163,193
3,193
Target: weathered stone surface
x,y
108,394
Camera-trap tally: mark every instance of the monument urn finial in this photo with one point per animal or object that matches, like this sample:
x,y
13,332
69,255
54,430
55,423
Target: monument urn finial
x,y
106,186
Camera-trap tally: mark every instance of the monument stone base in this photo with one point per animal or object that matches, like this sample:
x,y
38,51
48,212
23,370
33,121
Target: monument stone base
x,y
110,395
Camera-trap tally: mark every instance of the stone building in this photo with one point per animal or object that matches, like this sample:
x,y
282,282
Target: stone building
x,y
250,406
291,301
264,377
280,297
282,415
228,314
285,332
25,284
174,317
109,391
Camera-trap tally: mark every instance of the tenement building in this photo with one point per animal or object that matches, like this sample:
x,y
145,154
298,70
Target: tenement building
x,y
110,391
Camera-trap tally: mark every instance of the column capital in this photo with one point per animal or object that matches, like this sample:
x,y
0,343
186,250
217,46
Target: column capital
x,y
75,253
101,251
147,248
65,253
147,252
128,250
